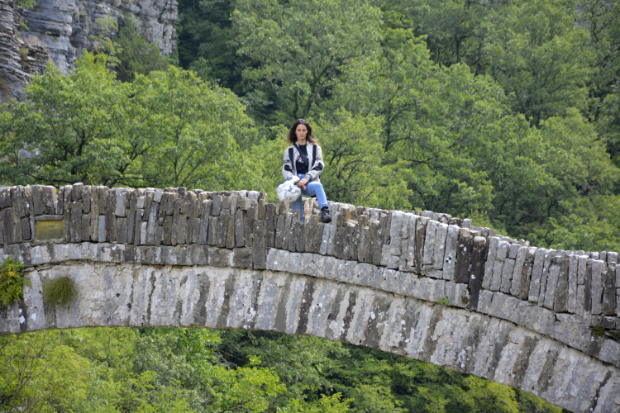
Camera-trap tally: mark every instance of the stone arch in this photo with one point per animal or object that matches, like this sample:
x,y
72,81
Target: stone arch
x,y
425,285
115,294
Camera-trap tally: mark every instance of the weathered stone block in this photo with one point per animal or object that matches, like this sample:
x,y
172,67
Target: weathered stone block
x,y
204,221
75,226
396,227
213,231
110,217
271,223
217,205
449,265
608,306
545,276
242,258
258,245
280,230
339,242
479,252
309,229
85,228
463,256
220,257
498,266
222,226
370,240
291,237
537,269
507,273
552,280
37,201
587,301
5,197
490,263
581,269
249,223
440,246
597,286
101,229
429,245
76,193
560,304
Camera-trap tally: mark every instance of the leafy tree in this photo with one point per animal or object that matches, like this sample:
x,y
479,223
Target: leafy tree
x,y
352,153
65,128
540,57
602,19
303,46
196,128
136,54
167,128
207,42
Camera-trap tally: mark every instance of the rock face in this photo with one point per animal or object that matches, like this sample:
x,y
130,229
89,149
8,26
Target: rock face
x,y
59,31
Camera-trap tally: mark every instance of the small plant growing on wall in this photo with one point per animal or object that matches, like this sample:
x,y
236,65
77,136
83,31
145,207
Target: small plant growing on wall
x,y
444,301
59,291
12,281
598,330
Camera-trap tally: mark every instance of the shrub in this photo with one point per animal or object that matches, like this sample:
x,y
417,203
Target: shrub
x,y
12,281
59,291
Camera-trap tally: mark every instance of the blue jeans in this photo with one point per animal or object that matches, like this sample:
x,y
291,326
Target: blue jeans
x,y
312,188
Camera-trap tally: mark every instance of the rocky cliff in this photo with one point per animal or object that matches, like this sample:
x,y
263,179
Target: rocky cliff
x,y
59,31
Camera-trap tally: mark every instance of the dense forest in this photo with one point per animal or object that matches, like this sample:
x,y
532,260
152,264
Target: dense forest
x,y
504,111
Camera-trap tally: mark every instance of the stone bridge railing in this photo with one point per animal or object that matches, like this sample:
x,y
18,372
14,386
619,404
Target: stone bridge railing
x,y
545,301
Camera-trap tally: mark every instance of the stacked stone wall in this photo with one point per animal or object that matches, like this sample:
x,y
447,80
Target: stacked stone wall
x,y
414,255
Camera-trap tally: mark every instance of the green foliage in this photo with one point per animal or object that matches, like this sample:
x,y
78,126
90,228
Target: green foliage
x,y
120,370
165,129
202,371
444,301
59,291
135,53
303,47
207,42
26,4
12,281
352,154
540,57
598,330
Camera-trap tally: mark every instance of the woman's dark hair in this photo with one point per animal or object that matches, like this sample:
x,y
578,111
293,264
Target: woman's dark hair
x,y
292,136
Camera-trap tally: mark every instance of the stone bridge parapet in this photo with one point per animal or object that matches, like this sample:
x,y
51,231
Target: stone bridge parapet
x,y
421,284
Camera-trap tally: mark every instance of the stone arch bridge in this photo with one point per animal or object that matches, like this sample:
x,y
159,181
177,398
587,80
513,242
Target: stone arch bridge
x,y
420,284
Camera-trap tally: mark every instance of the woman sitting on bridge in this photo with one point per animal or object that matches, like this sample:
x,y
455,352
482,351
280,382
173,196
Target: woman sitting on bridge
x,y
304,159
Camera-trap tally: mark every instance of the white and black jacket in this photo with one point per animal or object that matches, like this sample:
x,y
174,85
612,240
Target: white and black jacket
x,y
315,160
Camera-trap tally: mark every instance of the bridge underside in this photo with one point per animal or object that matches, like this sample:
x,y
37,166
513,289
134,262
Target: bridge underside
x,y
138,295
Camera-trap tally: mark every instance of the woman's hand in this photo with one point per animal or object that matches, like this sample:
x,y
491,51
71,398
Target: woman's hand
x,y
302,183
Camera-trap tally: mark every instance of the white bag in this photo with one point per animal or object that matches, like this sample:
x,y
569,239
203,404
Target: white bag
x,y
288,191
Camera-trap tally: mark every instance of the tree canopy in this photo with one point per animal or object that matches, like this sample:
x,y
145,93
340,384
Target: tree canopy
x,y
505,111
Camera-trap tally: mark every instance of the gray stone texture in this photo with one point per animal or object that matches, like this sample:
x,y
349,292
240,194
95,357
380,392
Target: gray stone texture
x,y
351,266
230,297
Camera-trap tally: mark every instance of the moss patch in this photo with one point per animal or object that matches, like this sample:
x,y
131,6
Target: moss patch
x,y
59,291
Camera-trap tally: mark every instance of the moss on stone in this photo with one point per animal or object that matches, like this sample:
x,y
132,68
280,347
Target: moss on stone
x,y
59,291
